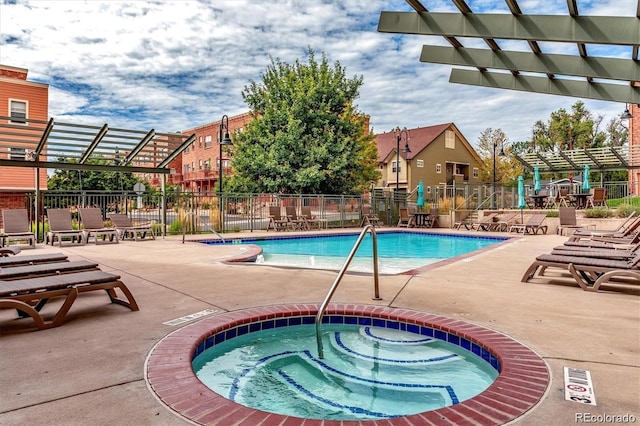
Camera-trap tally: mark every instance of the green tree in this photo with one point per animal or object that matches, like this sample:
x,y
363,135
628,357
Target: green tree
x,y
507,167
307,136
91,180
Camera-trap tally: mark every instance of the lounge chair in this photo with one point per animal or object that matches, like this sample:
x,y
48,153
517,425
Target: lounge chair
x,y
22,294
31,259
9,251
369,218
503,221
127,229
311,220
404,220
276,220
626,230
532,226
41,269
568,220
61,228
93,225
484,223
295,221
613,242
587,271
17,228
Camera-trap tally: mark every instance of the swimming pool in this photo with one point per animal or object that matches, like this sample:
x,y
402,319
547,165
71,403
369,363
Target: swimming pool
x,y
398,252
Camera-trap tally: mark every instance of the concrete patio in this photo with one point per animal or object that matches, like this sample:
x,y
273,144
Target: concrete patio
x,y
90,370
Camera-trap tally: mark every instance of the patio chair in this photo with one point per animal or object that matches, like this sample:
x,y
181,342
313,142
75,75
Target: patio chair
x,y
21,294
369,218
532,226
589,272
93,225
483,223
295,221
598,197
629,225
16,227
61,228
127,229
568,220
311,220
276,220
405,219
433,217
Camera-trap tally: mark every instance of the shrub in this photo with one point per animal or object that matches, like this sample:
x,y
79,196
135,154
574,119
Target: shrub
x,y
624,210
598,212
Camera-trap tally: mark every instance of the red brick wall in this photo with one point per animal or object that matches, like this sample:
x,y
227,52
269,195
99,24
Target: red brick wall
x,y
12,200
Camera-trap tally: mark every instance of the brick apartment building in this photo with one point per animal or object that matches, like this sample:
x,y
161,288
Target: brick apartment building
x,y
20,99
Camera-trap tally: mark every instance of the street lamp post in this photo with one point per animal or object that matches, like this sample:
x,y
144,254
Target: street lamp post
x,y
223,139
405,150
501,154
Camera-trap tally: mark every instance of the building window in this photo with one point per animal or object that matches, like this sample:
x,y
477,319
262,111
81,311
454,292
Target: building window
x,y
393,167
419,163
200,165
207,141
200,141
476,172
17,153
438,168
18,112
449,139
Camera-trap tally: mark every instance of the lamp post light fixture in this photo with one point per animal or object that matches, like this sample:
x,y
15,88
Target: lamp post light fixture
x,y
501,154
223,139
406,150
626,115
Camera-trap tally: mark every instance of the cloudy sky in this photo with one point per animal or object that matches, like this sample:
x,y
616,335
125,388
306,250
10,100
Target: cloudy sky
x,y
173,65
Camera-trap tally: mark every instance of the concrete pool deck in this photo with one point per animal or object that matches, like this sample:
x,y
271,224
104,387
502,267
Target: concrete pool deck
x,y
91,369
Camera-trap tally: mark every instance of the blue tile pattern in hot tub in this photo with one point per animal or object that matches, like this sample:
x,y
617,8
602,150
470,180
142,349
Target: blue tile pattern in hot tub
x,y
230,333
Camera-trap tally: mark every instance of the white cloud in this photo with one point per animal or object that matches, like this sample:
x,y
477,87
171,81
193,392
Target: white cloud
x,y
173,65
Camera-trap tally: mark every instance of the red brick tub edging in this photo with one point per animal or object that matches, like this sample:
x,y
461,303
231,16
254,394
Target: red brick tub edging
x,y
521,384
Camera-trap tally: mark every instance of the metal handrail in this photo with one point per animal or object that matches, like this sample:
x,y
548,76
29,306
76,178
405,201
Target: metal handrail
x,y
184,227
334,286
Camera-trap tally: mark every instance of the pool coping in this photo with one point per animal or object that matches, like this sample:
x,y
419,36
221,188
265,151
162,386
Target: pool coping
x,y
521,384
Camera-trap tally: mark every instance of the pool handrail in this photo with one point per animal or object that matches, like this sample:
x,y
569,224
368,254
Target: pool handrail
x,y
197,218
343,270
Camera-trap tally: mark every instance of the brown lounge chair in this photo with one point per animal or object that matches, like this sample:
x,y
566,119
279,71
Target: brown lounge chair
x,y
127,229
9,251
22,294
626,227
589,272
31,259
369,218
61,228
93,225
276,220
16,227
295,221
312,221
568,220
532,226
40,269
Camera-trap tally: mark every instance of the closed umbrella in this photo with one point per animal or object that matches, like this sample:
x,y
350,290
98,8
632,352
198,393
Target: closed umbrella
x,y
521,201
585,179
420,201
536,180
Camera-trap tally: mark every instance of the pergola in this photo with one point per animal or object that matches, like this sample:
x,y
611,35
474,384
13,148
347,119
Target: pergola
x,y
580,76
51,144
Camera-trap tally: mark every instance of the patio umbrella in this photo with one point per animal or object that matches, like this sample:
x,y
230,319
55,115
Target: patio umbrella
x,y
536,180
521,201
585,179
420,201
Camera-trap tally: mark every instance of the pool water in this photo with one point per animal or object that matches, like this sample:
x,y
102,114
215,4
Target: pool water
x,y
397,251
367,372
